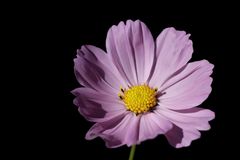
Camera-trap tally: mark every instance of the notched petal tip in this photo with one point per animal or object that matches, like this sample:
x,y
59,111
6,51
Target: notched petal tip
x,y
173,30
206,62
75,92
210,114
178,33
90,136
169,29
78,51
93,132
128,22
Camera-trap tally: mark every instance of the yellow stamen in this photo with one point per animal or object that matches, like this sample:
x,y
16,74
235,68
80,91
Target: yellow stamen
x,y
139,99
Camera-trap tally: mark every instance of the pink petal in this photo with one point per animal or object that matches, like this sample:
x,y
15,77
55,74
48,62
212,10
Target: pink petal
x,y
94,69
103,60
188,88
194,119
153,124
187,123
130,129
173,50
131,47
95,106
118,131
97,128
178,137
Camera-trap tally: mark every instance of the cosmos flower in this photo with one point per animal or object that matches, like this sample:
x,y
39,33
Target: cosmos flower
x,y
140,88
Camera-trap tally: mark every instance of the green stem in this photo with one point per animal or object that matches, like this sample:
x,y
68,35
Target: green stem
x,y
132,152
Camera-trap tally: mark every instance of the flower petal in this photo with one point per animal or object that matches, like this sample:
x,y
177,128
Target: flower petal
x,y
153,124
94,69
97,128
173,50
131,47
194,118
118,131
178,137
187,123
95,106
189,88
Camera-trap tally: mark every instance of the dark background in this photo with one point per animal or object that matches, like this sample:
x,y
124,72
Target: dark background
x,y
50,125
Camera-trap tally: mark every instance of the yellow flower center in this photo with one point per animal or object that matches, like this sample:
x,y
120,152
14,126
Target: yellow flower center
x,y
139,99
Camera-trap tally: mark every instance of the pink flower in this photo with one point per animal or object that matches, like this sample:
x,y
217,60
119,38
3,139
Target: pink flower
x,y
141,88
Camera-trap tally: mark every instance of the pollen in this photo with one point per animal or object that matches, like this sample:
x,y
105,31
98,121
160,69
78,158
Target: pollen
x,y
139,99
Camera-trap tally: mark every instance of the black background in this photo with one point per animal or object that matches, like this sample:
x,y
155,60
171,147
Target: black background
x,y
51,127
